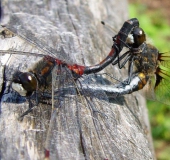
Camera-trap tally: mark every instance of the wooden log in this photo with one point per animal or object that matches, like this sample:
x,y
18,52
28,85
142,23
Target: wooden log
x,y
72,131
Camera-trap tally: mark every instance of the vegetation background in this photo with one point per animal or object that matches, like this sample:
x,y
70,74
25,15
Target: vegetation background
x,y
154,19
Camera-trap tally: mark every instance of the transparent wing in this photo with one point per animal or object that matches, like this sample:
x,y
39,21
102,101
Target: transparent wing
x,y
162,86
162,91
33,30
158,88
76,114
79,117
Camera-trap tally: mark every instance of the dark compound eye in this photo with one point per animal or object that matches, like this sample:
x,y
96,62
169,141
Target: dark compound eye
x,y
139,36
25,83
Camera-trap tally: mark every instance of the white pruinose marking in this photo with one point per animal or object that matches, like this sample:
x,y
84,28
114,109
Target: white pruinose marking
x,y
19,88
130,39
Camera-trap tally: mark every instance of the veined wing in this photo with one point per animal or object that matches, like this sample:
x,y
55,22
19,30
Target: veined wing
x,y
71,117
74,121
11,52
107,144
12,60
162,85
32,29
158,87
78,116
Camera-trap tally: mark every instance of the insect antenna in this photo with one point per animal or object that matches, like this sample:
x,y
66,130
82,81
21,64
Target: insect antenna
x,y
109,27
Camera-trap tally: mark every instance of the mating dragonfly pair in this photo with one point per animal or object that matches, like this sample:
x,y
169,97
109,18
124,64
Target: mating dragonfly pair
x,y
144,60
73,86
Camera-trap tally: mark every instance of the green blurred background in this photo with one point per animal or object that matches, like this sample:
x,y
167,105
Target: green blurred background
x,y
154,19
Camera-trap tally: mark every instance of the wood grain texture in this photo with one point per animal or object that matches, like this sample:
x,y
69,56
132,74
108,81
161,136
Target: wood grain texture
x,y
72,131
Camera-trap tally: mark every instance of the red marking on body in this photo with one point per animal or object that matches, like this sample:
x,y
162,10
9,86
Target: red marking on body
x,y
51,59
59,62
77,69
47,154
109,55
118,39
48,58
111,52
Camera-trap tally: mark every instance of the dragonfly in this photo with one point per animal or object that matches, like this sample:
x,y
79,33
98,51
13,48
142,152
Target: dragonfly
x,y
147,67
28,83
68,87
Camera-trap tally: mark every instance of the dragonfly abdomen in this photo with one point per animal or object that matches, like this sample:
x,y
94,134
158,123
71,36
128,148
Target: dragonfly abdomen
x,y
137,82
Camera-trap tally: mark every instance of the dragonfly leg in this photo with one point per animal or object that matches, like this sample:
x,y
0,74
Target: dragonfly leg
x,y
130,70
126,55
20,118
130,67
31,107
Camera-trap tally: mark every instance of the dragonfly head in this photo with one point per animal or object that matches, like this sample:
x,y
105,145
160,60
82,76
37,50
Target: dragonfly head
x,y
25,83
137,37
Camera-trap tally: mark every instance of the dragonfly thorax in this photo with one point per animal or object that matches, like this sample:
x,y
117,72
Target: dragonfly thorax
x,y
146,59
24,83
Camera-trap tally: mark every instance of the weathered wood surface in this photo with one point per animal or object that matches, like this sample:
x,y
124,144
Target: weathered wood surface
x,y
76,133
